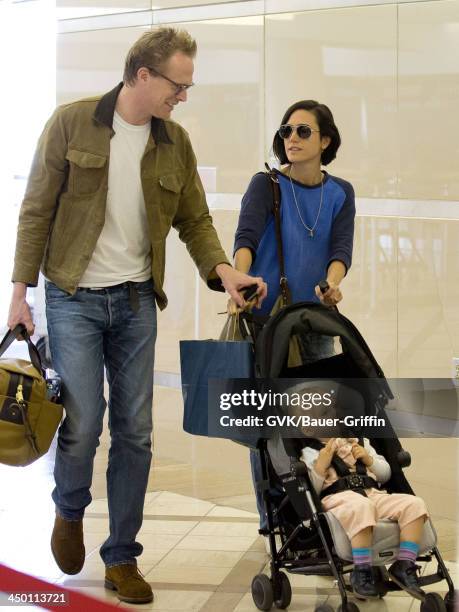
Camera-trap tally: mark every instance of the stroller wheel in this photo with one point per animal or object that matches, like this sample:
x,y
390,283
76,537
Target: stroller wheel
x,y
433,602
262,592
324,608
452,601
283,591
350,606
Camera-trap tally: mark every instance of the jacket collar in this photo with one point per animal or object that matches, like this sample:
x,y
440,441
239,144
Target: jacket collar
x,y
105,110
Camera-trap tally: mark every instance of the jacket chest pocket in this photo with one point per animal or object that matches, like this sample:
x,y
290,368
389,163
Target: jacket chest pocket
x,y
170,186
87,171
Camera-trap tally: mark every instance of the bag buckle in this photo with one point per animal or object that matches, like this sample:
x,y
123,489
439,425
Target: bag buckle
x,y
272,174
19,395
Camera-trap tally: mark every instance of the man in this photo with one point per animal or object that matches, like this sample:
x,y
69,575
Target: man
x,y
110,176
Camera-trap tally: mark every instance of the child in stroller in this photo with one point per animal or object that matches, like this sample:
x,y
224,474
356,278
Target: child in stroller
x,y
313,540
332,472
331,534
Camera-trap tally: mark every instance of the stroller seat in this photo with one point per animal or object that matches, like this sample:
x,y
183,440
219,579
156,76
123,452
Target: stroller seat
x,y
386,540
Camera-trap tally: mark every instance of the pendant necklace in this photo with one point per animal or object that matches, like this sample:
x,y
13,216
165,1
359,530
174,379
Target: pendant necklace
x,y
310,230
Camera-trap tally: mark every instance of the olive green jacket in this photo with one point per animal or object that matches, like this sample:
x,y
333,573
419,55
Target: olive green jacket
x,y
63,211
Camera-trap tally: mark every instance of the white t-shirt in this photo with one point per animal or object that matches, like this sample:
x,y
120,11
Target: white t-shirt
x,y
123,250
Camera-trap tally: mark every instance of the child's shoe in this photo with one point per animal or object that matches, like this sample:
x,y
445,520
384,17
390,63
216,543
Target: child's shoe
x,y
363,581
404,573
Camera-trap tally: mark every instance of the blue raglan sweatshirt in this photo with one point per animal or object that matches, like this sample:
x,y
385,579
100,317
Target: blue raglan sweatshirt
x,y
306,258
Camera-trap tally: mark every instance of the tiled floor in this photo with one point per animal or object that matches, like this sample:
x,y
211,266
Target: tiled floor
x,y
200,554
200,536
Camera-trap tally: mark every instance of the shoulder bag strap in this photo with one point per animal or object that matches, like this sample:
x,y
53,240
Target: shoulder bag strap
x,y
285,290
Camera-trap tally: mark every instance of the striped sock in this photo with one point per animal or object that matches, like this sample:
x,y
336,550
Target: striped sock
x,y
361,555
408,551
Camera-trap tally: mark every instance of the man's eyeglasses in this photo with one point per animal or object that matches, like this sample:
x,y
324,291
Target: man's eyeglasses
x,y
178,86
303,130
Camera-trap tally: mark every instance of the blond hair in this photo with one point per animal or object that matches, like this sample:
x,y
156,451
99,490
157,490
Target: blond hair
x,y
154,48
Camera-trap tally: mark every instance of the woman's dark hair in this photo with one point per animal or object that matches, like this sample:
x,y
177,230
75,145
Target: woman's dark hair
x,y
326,124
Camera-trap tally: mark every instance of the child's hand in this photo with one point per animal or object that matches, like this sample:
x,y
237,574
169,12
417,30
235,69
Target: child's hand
x,y
325,457
359,452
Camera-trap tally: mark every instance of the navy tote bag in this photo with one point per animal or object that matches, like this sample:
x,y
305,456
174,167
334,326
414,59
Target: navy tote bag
x,y
201,360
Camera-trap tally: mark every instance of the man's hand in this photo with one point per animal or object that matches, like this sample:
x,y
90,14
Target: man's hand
x,y
332,296
359,452
19,309
234,281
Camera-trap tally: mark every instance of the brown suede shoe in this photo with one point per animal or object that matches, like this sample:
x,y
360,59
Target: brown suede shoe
x,y
129,583
67,545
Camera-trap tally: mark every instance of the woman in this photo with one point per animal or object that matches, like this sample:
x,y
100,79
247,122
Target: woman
x,y
317,216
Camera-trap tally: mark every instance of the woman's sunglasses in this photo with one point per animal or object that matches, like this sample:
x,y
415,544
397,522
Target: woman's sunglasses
x,y
304,131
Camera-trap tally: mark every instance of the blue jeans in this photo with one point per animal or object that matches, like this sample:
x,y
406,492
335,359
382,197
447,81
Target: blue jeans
x,y
313,347
87,331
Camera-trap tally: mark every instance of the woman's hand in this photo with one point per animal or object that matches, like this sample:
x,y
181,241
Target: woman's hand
x,y
359,452
332,296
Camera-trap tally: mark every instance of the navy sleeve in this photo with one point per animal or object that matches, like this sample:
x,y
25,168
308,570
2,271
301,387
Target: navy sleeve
x,y
256,208
342,236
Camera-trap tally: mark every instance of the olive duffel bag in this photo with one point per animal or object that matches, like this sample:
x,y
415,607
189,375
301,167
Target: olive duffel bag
x,y
30,409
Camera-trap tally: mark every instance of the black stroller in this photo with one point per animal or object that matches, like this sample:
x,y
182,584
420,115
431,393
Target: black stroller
x,y
313,542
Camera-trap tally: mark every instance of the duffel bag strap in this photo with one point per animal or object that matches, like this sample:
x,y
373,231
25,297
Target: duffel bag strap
x,y
12,335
